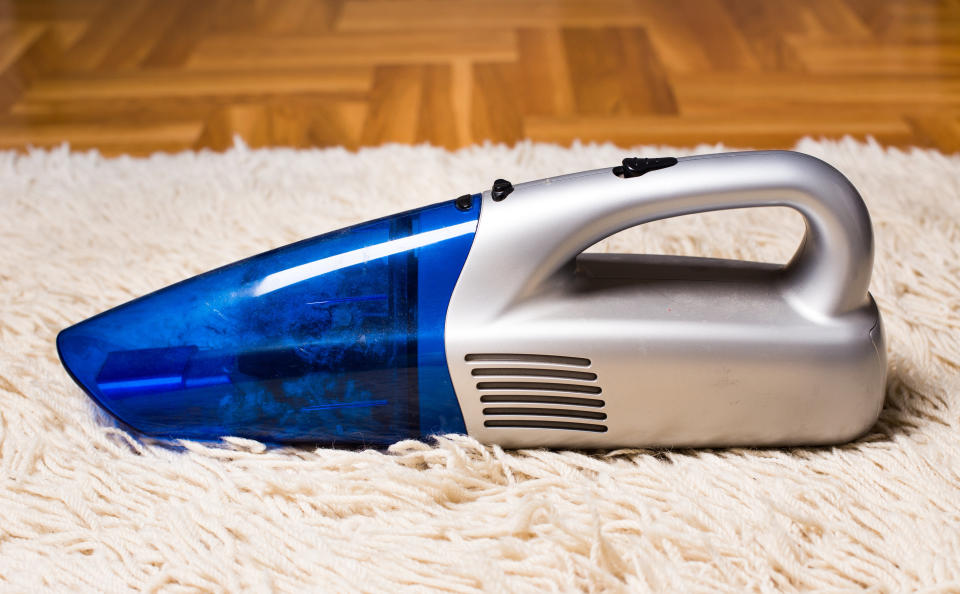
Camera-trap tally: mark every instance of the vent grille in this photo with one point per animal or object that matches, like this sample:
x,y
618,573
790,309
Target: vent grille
x,y
538,391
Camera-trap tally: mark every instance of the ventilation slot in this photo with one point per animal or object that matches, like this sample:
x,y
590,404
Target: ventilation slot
x,y
576,388
534,424
513,358
521,372
540,399
544,412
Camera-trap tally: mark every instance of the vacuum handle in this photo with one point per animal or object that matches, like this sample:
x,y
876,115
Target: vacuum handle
x,y
828,275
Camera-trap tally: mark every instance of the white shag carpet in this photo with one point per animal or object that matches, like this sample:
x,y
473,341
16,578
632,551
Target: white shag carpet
x,y
84,506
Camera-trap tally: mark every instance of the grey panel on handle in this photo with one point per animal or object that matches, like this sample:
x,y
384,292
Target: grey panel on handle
x,y
524,290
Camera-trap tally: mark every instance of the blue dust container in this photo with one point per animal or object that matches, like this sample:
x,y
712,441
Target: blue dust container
x,y
335,340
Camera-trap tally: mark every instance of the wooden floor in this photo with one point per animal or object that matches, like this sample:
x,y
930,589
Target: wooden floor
x,y
135,76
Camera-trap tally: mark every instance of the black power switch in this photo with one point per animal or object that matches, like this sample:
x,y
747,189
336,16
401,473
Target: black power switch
x,y
501,189
635,166
464,202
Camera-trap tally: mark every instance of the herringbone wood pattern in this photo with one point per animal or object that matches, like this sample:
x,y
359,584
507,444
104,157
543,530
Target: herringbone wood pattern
x,y
135,76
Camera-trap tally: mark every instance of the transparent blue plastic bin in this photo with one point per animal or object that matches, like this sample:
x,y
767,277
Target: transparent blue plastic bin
x,y
337,339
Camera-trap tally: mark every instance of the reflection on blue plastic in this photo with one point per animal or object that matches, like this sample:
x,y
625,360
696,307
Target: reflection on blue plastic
x,y
336,339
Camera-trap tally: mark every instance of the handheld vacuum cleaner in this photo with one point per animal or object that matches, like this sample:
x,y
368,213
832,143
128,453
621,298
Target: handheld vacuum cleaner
x,y
481,315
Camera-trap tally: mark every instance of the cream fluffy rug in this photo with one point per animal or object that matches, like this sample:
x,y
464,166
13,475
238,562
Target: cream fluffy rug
x,y
85,506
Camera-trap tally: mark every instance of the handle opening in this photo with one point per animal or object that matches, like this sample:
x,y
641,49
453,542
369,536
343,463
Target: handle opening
x,y
767,234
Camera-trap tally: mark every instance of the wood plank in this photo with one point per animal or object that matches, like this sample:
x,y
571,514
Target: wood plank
x,y
941,130
15,38
676,44
131,48
437,120
110,24
178,41
495,111
246,51
906,21
543,68
765,25
110,138
470,15
178,83
284,16
746,131
45,11
37,59
67,33
841,56
338,123
646,85
322,16
616,71
718,92
461,98
837,18
131,109
146,110
237,16
717,34
395,96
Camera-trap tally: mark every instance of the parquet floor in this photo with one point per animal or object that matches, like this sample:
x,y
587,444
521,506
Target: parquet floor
x,y
135,76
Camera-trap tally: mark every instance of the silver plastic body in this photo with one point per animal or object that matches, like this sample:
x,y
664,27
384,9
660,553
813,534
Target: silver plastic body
x,y
548,347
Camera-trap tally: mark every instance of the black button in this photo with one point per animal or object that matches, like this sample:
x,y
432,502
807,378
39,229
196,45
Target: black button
x,y
464,202
634,166
501,189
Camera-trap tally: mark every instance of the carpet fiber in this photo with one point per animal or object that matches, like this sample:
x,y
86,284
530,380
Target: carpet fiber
x,y
86,506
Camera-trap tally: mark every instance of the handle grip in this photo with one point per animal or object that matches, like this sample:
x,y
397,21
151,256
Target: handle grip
x,y
544,225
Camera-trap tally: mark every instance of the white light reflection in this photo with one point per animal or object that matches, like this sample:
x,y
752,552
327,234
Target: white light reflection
x,y
290,276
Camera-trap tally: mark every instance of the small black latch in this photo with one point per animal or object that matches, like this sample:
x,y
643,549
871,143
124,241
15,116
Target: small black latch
x,y
464,202
635,166
501,189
